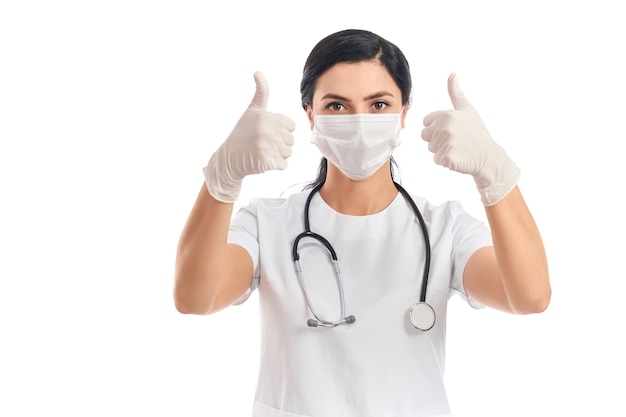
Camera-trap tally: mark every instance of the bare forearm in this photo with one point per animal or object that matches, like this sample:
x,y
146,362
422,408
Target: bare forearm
x,y
520,254
201,254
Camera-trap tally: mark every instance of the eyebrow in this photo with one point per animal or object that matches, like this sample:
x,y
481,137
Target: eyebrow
x,y
376,95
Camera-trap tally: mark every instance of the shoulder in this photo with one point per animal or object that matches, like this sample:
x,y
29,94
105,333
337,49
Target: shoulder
x,y
448,210
451,219
273,206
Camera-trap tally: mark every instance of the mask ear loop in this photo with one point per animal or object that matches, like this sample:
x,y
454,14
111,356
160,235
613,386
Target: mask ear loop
x,y
310,115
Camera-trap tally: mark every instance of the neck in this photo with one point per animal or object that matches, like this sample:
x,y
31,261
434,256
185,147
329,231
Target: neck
x,y
358,198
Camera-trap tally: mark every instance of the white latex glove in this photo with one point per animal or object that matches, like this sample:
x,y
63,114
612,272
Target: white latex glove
x,y
260,141
461,142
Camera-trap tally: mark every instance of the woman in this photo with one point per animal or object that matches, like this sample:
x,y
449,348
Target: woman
x,y
362,334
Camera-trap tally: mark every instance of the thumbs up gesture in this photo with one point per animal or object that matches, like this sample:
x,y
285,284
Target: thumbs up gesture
x,y
260,141
460,141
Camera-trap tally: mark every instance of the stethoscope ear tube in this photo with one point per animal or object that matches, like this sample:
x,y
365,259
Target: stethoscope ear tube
x,y
314,323
319,238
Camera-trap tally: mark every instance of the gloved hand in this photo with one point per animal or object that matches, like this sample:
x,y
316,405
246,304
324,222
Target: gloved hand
x,y
461,142
260,141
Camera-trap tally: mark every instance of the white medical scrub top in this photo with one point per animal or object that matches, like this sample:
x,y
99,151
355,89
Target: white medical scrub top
x,y
380,365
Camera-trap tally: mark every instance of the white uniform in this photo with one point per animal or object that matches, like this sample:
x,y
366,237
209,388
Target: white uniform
x,y
379,365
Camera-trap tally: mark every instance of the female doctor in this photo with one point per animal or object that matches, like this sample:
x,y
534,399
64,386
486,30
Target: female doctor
x,y
354,273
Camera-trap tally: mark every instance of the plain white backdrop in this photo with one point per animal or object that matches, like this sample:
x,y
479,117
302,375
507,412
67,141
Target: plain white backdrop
x,y
109,110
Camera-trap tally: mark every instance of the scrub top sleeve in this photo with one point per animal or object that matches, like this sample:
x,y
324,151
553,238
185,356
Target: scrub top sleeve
x,y
469,235
243,232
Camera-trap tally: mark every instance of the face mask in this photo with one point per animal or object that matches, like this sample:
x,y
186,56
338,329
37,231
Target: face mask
x,y
357,144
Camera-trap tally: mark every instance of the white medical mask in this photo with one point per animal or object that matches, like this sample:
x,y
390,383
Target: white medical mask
x,y
357,144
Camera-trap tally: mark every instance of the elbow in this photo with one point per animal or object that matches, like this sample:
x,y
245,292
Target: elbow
x,y
186,303
185,308
190,295
535,296
536,304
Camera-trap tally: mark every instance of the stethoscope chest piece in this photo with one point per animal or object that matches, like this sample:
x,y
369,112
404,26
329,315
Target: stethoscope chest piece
x,y
422,316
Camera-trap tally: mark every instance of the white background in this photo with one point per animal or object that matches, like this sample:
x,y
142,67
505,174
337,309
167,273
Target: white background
x,y
109,110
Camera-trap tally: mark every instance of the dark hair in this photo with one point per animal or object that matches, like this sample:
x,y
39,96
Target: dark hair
x,y
352,45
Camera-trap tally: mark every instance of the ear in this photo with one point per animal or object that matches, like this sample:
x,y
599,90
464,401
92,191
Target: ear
x,y
405,109
309,114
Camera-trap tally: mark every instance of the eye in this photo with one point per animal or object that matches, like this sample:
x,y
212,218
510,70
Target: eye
x,y
379,105
335,106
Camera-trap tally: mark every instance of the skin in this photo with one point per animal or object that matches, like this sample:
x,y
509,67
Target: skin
x,y
350,88
511,276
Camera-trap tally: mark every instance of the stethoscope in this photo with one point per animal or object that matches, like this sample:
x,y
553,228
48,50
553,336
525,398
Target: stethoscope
x,y
421,314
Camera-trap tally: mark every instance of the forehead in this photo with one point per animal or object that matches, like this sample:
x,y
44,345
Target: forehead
x,y
355,79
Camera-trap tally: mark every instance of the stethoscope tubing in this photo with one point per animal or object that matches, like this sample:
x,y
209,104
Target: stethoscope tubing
x,y
422,223
421,314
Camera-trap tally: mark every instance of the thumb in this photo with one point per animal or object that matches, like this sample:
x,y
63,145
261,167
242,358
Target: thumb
x,y
262,92
459,101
